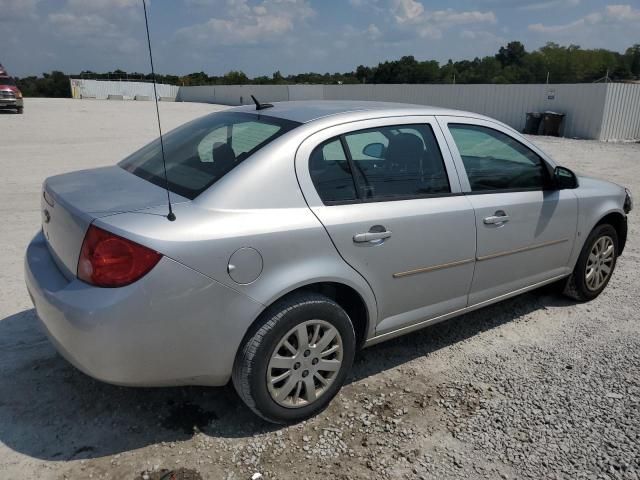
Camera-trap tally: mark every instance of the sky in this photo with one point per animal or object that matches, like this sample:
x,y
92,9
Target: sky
x,y
260,37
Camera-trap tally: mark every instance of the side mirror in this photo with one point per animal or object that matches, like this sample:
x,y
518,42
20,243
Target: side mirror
x,y
565,178
375,150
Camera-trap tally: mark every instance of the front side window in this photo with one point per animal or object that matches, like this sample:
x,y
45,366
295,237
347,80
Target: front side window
x,y
201,152
495,161
384,163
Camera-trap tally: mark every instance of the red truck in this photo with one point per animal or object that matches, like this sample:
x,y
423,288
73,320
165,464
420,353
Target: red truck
x,y
10,94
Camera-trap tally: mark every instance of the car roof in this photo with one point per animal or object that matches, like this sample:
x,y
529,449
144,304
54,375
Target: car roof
x,y
305,111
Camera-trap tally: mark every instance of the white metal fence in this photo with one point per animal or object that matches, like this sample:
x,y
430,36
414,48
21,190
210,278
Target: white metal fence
x,y
621,119
598,111
241,94
601,111
104,89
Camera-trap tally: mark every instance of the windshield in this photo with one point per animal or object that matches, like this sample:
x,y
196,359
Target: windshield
x,y
203,151
7,81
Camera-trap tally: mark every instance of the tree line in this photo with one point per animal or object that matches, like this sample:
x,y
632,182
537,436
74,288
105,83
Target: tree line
x,y
511,64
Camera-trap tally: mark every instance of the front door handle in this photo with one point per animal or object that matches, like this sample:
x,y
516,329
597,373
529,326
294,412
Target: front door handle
x,y
371,236
498,218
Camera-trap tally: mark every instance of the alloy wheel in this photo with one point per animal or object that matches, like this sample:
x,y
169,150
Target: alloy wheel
x,y
304,364
600,263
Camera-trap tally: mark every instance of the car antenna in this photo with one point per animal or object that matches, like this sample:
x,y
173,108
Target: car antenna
x,y
261,106
171,216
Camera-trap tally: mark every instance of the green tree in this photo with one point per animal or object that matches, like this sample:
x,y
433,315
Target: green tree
x,y
512,54
511,64
235,78
277,78
363,74
632,59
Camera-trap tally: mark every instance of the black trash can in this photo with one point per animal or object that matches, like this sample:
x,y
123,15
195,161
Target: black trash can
x,y
532,125
551,123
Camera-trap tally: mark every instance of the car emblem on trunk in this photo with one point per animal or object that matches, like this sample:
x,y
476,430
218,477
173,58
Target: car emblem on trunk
x,y
47,216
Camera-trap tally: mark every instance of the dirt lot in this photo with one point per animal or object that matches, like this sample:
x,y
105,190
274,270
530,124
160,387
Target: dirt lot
x,y
536,387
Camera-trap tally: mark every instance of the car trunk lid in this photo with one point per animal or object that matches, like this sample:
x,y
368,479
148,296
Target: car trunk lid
x,y
70,202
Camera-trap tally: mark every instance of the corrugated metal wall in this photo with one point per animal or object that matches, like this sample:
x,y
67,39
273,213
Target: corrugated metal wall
x,y
306,92
621,120
583,104
234,94
101,89
199,94
593,110
241,94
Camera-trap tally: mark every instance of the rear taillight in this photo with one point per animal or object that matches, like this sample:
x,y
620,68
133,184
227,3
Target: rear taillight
x,y
107,260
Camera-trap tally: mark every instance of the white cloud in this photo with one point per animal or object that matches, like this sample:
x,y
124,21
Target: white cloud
x,y
259,36
363,3
352,34
17,10
372,6
373,32
96,5
107,26
612,15
407,11
93,30
245,24
625,13
74,25
412,14
550,4
451,17
96,17
482,40
541,28
480,35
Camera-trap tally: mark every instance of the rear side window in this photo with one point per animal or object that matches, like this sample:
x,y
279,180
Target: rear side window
x,y
495,161
384,163
331,173
201,152
245,136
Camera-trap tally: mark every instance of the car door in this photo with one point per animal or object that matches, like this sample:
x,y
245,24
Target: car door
x,y
525,227
389,197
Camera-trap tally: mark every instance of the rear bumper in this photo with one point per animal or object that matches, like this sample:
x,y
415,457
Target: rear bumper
x,y
11,103
172,327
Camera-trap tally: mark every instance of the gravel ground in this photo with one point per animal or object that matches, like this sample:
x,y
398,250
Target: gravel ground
x,y
535,387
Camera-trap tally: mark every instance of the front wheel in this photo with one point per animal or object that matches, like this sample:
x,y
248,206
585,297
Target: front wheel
x,y
20,110
595,264
296,359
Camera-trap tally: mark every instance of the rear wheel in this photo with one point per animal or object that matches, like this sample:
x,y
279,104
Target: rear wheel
x,y
595,264
297,358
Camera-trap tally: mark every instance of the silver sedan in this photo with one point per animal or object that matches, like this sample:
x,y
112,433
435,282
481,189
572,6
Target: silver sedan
x,y
302,232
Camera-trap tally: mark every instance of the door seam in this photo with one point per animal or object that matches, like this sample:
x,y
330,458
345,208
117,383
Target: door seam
x,y
295,171
440,122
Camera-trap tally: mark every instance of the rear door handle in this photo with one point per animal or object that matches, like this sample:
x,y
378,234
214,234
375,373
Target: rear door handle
x,y
499,217
371,236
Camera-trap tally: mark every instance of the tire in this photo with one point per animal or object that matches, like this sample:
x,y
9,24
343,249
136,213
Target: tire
x,y
20,110
578,286
257,362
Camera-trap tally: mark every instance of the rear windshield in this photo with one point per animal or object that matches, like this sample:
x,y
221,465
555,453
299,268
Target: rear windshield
x,y
7,81
203,151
